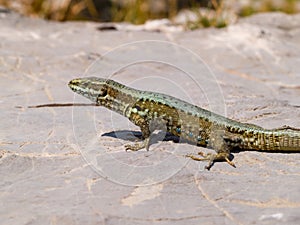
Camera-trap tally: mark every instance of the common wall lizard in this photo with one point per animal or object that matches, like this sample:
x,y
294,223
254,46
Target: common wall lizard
x,y
185,120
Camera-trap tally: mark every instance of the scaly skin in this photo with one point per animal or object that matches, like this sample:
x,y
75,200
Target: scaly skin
x,y
150,110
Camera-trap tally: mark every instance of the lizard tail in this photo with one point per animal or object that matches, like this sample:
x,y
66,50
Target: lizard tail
x,y
285,139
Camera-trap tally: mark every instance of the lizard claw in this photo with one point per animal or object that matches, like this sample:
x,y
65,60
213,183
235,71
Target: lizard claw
x,y
138,146
134,147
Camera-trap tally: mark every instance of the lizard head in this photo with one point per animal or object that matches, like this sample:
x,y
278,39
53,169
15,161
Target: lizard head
x,y
93,88
105,92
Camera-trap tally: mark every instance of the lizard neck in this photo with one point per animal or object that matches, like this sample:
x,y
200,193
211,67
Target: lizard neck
x,y
119,98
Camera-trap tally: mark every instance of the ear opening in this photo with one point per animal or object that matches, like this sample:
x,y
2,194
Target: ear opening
x,y
103,92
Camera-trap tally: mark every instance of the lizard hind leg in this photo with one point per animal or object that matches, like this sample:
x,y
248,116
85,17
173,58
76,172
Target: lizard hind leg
x,y
222,143
212,158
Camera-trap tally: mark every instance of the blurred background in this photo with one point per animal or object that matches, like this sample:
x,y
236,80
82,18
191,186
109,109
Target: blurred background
x,y
196,13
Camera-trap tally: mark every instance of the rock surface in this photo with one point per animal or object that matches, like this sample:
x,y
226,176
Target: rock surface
x,y
65,165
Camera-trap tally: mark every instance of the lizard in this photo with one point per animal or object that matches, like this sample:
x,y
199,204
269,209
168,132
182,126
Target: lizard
x,y
184,120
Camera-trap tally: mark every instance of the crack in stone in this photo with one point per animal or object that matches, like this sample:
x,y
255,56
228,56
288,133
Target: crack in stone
x,y
4,153
214,203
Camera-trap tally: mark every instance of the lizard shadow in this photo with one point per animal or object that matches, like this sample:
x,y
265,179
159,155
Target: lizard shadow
x,y
128,135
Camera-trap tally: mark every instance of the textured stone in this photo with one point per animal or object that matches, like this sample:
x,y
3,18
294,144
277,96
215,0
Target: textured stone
x,y
64,165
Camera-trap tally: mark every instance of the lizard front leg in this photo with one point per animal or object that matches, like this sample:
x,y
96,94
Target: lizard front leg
x,y
142,144
143,123
148,125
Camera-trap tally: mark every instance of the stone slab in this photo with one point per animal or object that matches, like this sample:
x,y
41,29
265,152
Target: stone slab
x,y
66,165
